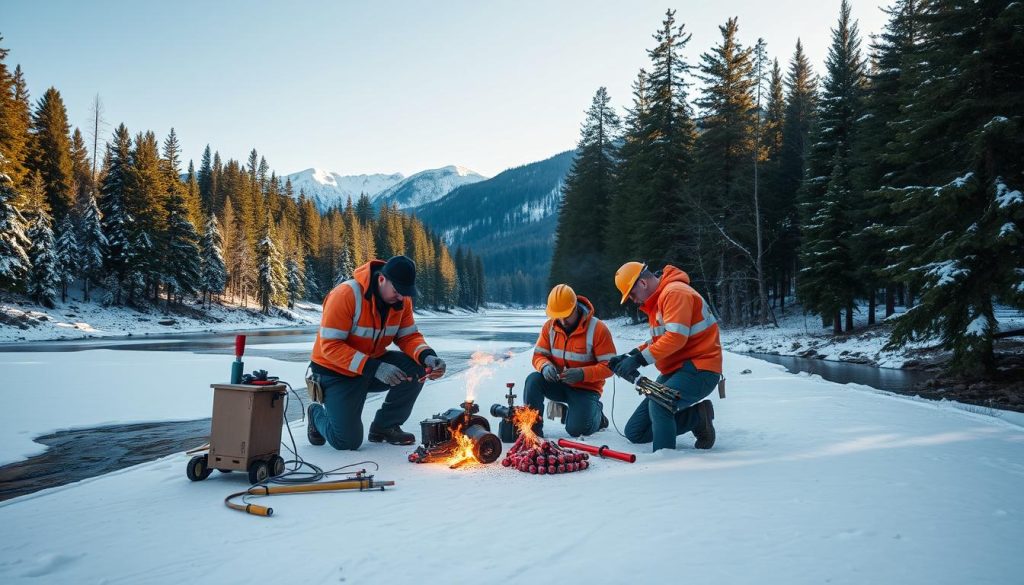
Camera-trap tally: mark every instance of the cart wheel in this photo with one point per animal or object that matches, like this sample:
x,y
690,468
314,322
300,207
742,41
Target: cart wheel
x,y
276,465
197,469
258,471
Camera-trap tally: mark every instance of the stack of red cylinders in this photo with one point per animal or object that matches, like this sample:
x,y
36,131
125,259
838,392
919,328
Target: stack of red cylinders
x,y
544,458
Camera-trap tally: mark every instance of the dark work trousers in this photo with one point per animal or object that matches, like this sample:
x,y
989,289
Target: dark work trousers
x,y
584,413
340,419
651,422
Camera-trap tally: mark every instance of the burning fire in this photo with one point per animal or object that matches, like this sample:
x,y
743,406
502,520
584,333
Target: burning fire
x,y
463,454
524,419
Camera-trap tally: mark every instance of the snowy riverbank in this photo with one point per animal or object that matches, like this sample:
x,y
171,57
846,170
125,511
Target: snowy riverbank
x,y
24,321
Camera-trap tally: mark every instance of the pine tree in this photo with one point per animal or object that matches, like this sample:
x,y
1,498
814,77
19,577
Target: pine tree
x,y
181,262
14,243
346,266
840,108
664,197
826,279
271,285
42,278
962,242
887,87
801,103
632,172
212,271
81,171
579,256
51,152
296,280
15,120
67,256
115,217
725,155
205,180
93,245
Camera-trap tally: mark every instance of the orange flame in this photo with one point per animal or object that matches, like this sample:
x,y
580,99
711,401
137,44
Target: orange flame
x,y
463,453
524,419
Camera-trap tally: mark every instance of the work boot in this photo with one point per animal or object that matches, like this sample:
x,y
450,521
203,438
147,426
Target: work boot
x,y
704,431
604,423
314,436
394,435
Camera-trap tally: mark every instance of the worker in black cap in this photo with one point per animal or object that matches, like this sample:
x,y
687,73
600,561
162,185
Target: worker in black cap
x,y
361,317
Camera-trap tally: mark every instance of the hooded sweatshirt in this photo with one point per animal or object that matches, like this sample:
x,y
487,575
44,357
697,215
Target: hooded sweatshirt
x,y
682,326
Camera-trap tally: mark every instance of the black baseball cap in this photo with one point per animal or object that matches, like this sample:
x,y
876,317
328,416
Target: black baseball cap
x,y
401,272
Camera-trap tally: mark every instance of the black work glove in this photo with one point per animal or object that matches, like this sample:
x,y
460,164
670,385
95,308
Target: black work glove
x,y
572,376
627,368
549,372
617,359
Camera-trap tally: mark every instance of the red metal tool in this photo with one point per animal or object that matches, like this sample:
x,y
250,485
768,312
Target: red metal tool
x,y
602,451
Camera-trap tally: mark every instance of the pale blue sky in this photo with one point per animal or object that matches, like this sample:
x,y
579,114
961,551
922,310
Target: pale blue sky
x,y
360,87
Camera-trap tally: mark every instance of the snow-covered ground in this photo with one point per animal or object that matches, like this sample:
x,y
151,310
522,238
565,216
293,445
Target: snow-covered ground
x,y
803,335
77,320
809,482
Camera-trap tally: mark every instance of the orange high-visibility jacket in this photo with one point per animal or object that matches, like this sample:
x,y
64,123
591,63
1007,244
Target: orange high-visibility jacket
x,y
351,330
682,326
589,346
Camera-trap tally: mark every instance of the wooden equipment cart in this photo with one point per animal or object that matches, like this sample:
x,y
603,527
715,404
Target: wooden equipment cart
x,y
245,433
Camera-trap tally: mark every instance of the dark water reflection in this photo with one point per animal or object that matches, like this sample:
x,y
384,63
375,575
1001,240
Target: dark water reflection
x,y
893,380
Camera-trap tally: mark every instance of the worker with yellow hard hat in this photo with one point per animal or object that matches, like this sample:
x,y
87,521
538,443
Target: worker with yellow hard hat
x,y
684,347
571,358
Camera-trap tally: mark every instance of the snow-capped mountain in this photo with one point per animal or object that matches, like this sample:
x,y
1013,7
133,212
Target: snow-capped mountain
x,y
427,186
508,220
328,189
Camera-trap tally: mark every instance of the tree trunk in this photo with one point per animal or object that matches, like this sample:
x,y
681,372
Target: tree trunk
x,y
837,322
890,300
849,315
871,306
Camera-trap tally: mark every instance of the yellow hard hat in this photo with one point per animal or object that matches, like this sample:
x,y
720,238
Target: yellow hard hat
x,y
561,301
626,276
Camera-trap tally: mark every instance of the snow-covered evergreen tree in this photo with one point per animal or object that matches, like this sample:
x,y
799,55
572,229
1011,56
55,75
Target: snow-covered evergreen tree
x,y
271,283
346,265
181,266
832,144
296,278
213,273
115,217
42,278
14,244
67,255
825,277
961,137
92,245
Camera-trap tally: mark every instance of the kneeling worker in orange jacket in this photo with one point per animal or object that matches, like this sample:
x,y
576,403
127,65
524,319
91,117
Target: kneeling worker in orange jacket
x,y
362,316
571,355
684,346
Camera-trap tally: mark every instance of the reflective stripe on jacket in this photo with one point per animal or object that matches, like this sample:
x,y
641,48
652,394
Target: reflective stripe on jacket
x,y
589,346
682,326
351,330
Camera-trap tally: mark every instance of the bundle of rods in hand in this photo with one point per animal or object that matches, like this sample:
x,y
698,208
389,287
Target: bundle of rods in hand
x,y
661,394
543,457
